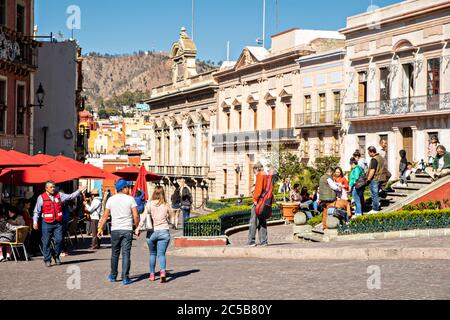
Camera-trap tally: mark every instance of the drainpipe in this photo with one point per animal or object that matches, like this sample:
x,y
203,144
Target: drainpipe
x,y
45,139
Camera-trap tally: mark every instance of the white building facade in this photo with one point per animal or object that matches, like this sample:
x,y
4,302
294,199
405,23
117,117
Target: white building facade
x,y
398,79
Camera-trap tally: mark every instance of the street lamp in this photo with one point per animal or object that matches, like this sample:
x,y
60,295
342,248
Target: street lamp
x,y
40,95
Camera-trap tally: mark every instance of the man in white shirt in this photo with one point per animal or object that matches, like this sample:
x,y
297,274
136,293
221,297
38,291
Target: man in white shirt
x,y
123,211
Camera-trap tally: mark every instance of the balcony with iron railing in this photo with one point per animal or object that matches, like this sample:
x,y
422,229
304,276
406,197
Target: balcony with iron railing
x,y
18,49
318,119
401,106
260,137
181,171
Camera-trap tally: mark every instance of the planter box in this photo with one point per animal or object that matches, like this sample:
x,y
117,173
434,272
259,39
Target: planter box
x,y
184,242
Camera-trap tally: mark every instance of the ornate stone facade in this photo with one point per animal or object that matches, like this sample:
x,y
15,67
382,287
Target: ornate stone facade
x,y
398,79
182,116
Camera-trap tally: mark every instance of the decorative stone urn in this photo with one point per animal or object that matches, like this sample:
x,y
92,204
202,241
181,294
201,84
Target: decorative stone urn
x,y
289,210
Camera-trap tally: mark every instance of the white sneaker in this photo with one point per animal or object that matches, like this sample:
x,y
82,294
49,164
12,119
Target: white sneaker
x,y
373,212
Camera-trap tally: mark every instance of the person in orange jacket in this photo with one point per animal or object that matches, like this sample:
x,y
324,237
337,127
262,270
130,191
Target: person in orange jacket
x,y
258,223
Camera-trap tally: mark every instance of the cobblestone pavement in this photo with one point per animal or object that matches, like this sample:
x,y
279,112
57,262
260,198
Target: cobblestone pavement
x,y
217,279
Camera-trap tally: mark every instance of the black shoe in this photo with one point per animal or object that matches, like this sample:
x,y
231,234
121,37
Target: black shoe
x,y
58,261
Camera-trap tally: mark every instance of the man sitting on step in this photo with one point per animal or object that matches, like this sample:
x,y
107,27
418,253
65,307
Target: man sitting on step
x,y
441,164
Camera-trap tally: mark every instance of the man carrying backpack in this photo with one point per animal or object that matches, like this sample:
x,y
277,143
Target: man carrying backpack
x,y
262,206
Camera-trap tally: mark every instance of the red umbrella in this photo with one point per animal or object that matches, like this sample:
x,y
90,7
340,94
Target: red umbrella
x,y
35,175
13,159
132,173
85,171
141,183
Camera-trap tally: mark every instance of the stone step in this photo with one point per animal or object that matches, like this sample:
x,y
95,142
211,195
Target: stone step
x,y
408,190
412,185
424,181
314,237
422,175
396,195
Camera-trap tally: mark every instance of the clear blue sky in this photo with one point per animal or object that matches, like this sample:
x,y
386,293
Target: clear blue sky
x,y
110,26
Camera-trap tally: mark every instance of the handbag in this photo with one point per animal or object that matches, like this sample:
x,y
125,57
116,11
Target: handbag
x,y
361,182
147,218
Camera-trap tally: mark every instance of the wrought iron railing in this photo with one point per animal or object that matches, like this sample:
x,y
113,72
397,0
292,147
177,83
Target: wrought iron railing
x,y
262,136
313,119
17,49
181,171
218,228
399,106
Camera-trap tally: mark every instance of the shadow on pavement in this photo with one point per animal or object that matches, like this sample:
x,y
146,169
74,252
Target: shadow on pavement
x,y
174,276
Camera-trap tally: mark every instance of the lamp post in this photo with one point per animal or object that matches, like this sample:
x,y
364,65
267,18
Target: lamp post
x,y
40,95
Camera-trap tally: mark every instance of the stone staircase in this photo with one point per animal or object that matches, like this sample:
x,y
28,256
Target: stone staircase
x,y
401,194
395,200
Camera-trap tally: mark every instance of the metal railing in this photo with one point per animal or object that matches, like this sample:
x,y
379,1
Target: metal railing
x,y
254,137
399,106
181,171
19,49
218,228
314,119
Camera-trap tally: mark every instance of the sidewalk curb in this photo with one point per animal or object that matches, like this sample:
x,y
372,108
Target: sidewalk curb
x,y
349,253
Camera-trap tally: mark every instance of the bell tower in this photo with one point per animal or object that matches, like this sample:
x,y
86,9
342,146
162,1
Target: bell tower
x,y
183,55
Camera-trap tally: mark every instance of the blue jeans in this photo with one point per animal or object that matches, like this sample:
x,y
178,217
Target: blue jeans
x,y
158,242
121,239
358,195
186,214
375,190
49,231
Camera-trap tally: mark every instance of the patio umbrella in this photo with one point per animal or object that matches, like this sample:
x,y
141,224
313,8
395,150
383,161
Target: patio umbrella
x,y
132,173
141,183
24,176
13,159
85,171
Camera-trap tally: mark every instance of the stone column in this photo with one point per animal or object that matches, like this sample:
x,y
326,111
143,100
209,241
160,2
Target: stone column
x,y
393,150
198,141
152,145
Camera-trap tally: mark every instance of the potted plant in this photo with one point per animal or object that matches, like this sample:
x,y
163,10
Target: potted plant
x,y
289,166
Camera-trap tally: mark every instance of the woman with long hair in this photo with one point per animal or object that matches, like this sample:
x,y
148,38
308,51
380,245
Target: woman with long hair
x,y
156,218
342,181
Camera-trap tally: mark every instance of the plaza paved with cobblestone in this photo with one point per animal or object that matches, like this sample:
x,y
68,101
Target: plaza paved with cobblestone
x,y
216,279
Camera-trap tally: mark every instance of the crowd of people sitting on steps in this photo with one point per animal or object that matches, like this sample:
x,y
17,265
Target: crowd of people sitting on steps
x,y
344,197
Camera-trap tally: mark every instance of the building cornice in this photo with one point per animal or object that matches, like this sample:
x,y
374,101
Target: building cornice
x,y
291,55
397,18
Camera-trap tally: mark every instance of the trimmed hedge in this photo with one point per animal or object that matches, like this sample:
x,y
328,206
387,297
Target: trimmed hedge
x,y
215,216
397,221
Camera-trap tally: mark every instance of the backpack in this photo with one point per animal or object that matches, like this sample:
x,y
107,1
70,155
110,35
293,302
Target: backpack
x,y
264,205
140,203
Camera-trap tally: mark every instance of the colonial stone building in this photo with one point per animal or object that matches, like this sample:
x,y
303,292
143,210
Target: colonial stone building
x,y
182,117
319,121
18,64
398,78
261,104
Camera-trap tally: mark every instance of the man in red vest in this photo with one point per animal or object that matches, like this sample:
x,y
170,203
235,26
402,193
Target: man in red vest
x,y
49,205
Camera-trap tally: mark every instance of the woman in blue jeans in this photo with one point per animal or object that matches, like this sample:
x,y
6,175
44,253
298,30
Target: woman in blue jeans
x,y
156,221
357,194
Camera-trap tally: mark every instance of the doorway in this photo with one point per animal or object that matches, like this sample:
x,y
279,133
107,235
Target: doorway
x,y
408,143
